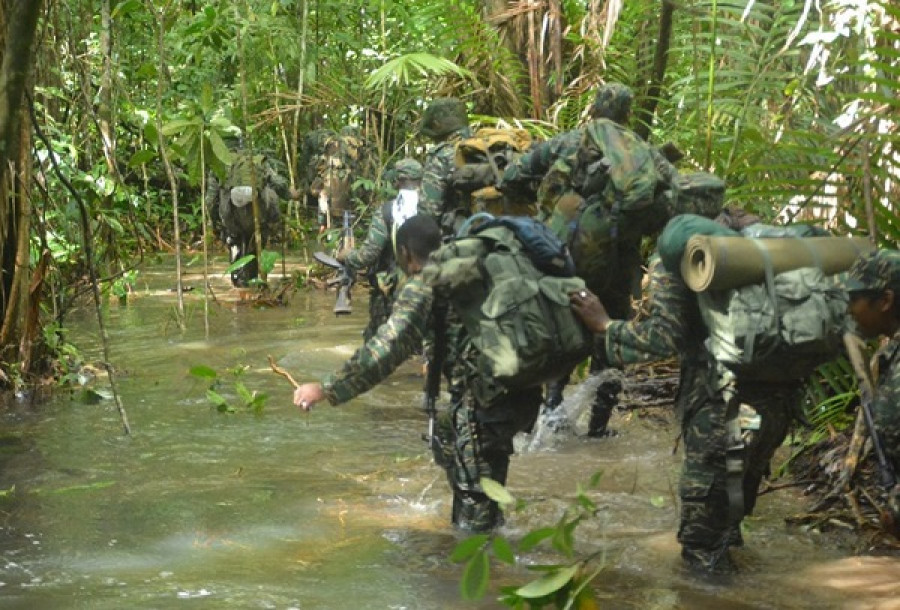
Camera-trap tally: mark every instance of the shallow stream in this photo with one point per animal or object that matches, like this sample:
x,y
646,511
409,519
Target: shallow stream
x,y
339,509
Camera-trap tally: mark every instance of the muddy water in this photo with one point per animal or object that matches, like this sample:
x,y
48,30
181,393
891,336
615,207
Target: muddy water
x,y
341,509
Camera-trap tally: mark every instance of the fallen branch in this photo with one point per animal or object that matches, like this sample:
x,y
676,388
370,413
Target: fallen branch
x,y
280,371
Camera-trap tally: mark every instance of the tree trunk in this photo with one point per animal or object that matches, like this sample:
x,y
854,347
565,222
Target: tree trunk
x,y
20,18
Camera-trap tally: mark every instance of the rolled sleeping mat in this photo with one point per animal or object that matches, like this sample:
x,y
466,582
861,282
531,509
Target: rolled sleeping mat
x,y
713,262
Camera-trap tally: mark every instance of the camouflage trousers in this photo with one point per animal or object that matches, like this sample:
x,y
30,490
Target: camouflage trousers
x,y
380,305
705,525
476,441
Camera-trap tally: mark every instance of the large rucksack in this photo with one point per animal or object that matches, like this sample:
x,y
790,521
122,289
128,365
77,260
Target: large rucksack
x,y
517,316
615,166
615,194
780,330
480,161
497,147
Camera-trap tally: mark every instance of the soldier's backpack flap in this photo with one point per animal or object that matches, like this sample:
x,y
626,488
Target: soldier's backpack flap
x,y
492,144
614,164
518,318
777,331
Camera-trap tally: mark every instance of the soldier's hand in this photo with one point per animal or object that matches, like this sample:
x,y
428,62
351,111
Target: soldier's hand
x,y
590,310
308,394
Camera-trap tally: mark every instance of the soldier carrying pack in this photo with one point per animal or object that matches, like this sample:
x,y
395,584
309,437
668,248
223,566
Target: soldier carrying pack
x,y
509,281
616,194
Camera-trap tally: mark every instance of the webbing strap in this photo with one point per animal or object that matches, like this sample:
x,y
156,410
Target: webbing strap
x,y
735,451
770,288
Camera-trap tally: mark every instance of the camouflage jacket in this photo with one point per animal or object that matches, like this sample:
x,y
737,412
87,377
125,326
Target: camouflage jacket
x,y
371,253
396,340
672,327
525,175
886,404
438,199
530,168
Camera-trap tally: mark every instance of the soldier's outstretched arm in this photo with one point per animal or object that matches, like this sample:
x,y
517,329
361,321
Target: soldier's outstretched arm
x,y
396,340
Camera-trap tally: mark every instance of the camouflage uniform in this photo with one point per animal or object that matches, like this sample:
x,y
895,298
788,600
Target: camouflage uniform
x,y
475,439
234,224
545,173
674,327
875,272
377,254
446,123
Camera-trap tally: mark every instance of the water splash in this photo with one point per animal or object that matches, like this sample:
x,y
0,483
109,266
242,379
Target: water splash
x,y
563,422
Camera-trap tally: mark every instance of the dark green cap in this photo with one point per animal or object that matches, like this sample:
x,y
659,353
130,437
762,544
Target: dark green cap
x,y
875,271
613,101
408,169
444,116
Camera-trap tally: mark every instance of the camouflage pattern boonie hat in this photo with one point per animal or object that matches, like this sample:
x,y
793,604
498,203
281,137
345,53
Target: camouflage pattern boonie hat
x,y
874,271
613,101
409,169
444,116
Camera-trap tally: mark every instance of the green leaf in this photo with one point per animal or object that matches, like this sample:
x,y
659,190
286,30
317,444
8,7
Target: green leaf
x,y
475,577
548,584
245,394
535,537
178,126
267,260
203,372
240,263
219,401
141,157
398,70
503,551
468,547
496,492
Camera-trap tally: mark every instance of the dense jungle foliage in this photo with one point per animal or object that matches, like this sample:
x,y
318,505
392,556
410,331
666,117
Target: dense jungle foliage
x,y
113,113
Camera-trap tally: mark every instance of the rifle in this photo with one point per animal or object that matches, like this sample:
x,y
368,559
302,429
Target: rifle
x,y
342,303
867,394
433,380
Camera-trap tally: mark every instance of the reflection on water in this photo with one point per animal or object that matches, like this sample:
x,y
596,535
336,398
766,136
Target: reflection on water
x,y
340,509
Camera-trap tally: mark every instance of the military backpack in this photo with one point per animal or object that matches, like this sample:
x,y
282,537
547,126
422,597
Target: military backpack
x,y
782,329
517,315
615,194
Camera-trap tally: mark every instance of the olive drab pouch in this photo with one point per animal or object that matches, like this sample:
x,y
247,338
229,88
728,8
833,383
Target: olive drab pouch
x,y
518,318
587,228
780,330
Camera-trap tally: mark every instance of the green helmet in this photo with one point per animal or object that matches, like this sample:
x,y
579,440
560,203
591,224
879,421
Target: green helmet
x,y
613,102
444,116
409,169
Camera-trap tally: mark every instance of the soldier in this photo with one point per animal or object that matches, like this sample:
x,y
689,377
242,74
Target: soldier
x,y
709,523
873,284
476,433
445,122
231,208
377,250
548,165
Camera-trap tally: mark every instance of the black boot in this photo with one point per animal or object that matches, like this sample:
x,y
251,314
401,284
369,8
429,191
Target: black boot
x,y
554,394
606,400
475,512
